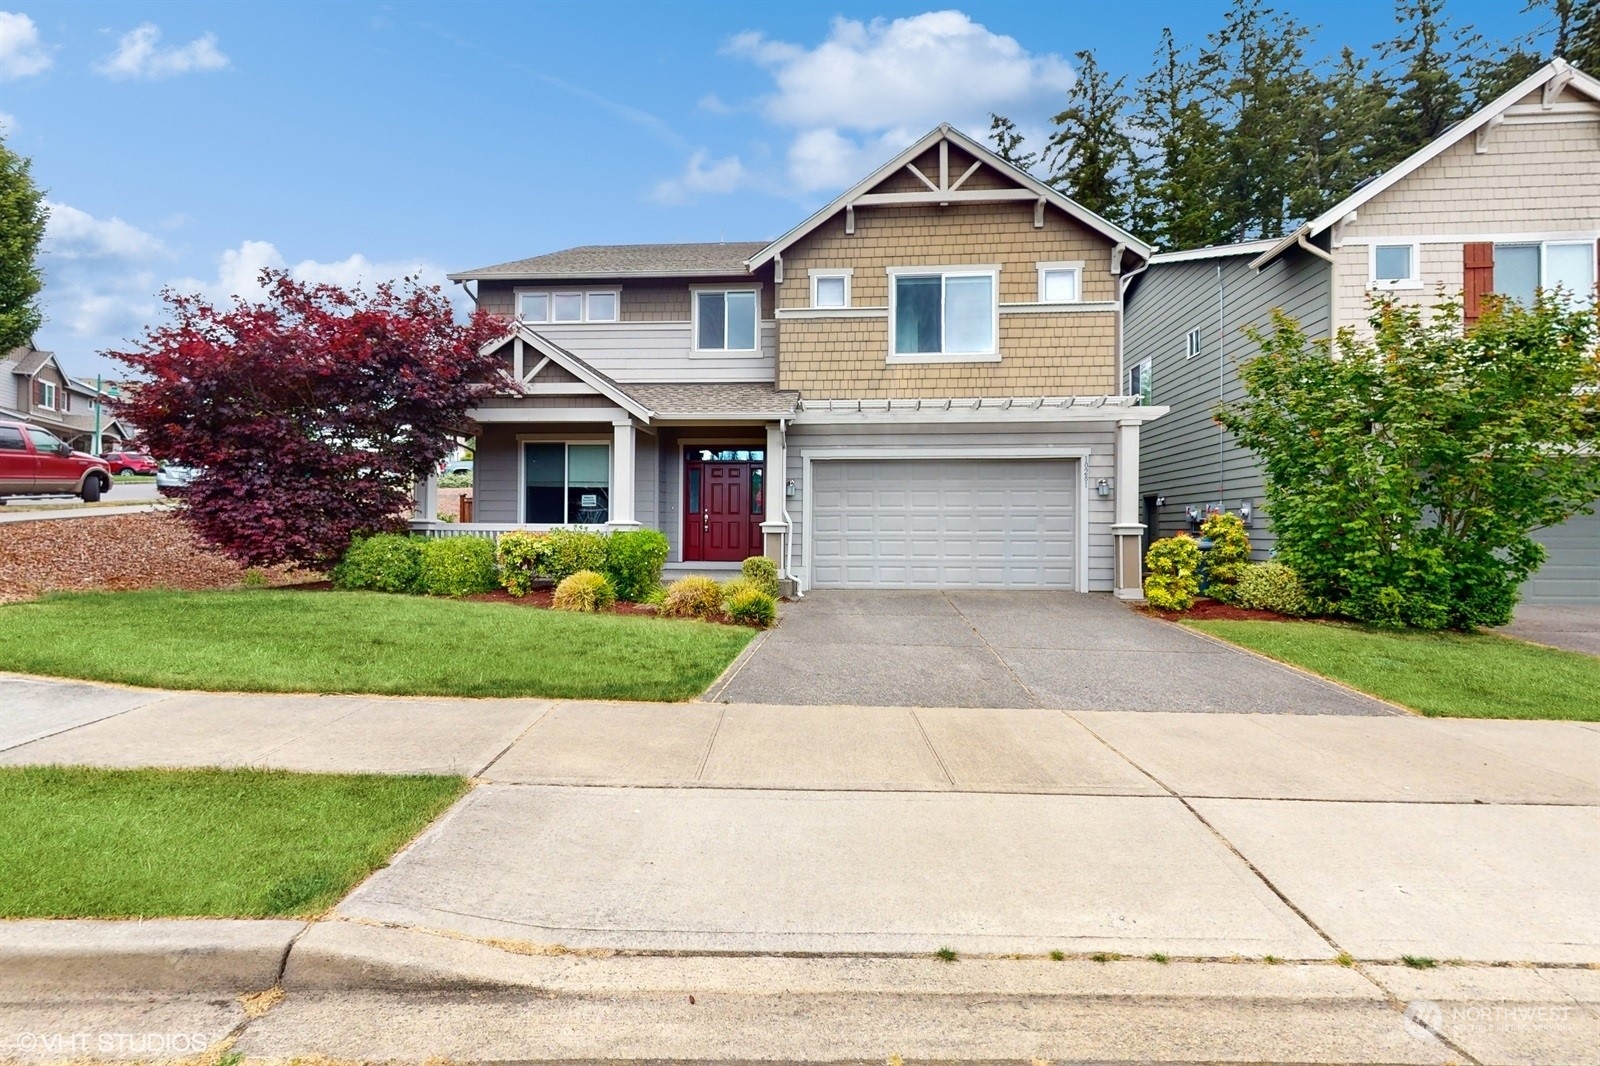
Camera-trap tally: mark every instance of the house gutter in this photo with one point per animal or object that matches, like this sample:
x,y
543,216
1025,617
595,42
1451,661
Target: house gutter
x,y
1123,282
788,522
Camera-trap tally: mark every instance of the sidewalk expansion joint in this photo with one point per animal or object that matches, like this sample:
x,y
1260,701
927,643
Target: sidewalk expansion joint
x,y
501,754
1001,659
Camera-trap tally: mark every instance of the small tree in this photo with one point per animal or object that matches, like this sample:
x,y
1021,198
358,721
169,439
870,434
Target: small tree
x,y
310,414
22,219
1406,473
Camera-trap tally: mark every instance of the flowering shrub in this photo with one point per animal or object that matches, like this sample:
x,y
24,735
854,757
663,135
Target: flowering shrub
x,y
1174,573
521,558
1227,557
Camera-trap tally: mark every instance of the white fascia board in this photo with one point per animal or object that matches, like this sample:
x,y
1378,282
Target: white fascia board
x,y
1217,251
904,412
583,372
1106,228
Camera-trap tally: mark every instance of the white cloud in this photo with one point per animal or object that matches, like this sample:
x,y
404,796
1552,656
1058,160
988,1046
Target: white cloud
x,y
701,175
872,87
21,53
140,55
239,272
74,234
714,104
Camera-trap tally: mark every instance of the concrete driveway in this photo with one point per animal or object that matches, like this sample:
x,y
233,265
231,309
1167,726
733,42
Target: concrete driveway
x,y
1573,628
969,648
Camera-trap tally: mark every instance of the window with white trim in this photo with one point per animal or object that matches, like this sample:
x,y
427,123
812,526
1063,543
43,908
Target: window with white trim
x,y
566,483
1139,382
943,314
1191,345
725,320
1521,270
47,395
569,306
1394,266
1060,283
830,288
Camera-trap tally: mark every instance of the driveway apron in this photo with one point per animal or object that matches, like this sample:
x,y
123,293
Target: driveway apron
x,y
970,648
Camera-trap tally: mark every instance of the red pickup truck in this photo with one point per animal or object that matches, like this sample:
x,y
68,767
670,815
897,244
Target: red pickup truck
x,y
33,462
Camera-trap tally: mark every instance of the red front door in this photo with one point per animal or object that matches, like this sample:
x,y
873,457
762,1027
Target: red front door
x,y
722,511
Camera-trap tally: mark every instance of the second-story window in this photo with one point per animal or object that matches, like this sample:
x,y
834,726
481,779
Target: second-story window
x,y
1522,270
945,313
1191,345
1060,283
1394,266
830,288
1139,381
725,320
47,395
567,306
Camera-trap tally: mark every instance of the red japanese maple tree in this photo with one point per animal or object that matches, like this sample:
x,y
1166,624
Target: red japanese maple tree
x,y
310,414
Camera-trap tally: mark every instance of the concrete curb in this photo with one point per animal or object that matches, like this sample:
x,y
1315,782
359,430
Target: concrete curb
x,y
714,691
71,956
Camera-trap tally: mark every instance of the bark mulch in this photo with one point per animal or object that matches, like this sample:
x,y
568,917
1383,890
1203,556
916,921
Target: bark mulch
x,y
543,597
116,553
1205,610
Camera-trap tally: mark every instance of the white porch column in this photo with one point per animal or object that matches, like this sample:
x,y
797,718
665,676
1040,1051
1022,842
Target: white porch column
x,y
773,527
623,487
1127,529
427,501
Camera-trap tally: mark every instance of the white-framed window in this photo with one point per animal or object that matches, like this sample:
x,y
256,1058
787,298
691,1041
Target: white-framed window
x,y
568,306
1192,344
725,320
47,395
1139,381
1521,270
1394,266
830,288
947,314
566,482
1060,283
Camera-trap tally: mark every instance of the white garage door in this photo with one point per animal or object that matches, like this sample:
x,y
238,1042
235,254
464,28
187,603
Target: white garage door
x,y
1571,570
943,523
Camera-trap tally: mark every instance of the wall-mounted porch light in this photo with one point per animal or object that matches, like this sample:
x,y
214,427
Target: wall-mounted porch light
x,y
790,489
1102,488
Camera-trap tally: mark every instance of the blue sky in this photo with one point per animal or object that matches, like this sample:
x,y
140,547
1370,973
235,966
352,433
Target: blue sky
x,y
190,144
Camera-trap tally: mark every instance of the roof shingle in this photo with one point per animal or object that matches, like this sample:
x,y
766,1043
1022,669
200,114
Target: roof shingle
x,y
626,260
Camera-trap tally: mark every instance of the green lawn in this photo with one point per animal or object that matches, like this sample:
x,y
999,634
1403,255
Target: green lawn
x,y
1440,674
134,479
264,640
88,843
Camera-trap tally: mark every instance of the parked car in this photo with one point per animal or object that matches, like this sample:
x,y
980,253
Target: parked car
x,y
172,478
458,466
35,462
130,463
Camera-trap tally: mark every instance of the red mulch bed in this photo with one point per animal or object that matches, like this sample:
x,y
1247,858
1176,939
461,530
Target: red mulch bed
x,y
116,553
543,597
1206,610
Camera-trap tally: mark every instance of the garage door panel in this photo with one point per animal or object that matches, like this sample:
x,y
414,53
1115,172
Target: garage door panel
x,y
1571,570
944,523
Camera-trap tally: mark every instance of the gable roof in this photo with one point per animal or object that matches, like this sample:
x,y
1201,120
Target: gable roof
x,y
946,132
1213,251
31,360
573,365
710,259
1556,74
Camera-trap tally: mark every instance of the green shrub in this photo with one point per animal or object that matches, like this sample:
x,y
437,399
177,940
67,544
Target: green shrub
x,y
1174,578
458,566
763,572
387,562
455,481
569,550
655,596
1227,557
521,558
734,586
752,607
1271,587
693,597
634,559
584,591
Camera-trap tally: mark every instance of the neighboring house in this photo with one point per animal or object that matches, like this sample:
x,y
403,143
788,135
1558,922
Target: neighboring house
x,y
1507,201
34,388
915,387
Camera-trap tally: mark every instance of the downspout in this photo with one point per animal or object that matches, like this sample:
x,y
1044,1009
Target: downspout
x,y
1222,390
1123,281
470,294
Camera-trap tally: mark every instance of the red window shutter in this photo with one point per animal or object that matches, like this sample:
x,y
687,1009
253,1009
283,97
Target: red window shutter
x,y
38,393
1477,269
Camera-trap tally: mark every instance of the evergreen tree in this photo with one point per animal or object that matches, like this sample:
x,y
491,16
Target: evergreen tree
x,y
1176,179
1343,127
1090,153
1268,96
1007,141
22,218
1429,60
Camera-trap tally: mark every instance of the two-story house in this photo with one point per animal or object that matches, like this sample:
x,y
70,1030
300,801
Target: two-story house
x,y
1507,201
34,388
914,387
